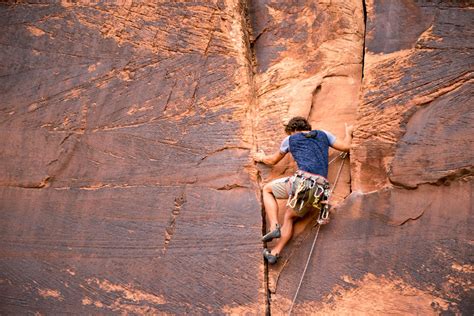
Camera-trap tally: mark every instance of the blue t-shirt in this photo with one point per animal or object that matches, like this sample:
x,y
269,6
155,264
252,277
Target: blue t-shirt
x,y
310,153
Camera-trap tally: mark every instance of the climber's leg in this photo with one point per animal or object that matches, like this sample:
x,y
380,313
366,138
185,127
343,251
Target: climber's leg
x,y
286,231
271,206
277,189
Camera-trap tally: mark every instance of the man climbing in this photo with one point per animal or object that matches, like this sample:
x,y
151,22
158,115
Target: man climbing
x,y
309,148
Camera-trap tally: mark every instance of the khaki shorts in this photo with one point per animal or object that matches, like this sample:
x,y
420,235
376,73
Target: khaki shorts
x,y
281,188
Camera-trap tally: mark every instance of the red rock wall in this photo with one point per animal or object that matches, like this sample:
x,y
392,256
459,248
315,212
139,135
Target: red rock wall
x,y
126,183
402,241
125,170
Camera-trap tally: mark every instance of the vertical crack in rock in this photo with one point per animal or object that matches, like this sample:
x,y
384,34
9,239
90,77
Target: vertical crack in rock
x,y
364,9
302,67
252,115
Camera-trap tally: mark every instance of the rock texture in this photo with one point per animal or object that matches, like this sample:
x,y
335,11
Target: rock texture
x,y
126,183
308,58
403,74
402,241
125,171
308,62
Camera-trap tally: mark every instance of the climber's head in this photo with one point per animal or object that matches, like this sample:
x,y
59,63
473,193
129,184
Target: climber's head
x,y
297,124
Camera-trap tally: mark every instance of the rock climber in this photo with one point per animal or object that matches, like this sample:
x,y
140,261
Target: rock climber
x,y
309,149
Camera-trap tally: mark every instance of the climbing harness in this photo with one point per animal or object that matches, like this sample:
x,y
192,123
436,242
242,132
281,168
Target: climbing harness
x,y
323,219
307,191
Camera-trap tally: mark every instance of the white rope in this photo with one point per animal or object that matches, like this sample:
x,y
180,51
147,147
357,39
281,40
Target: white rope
x,y
343,156
304,271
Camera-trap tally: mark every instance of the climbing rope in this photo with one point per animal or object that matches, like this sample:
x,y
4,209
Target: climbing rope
x,y
343,156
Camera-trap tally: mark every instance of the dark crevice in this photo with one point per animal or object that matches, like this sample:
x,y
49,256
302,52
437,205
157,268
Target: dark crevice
x,y
412,218
170,228
45,183
250,40
364,9
229,187
253,41
265,267
315,93
462,173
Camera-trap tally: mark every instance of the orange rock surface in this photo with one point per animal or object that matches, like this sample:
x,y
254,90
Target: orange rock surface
x,y
126,178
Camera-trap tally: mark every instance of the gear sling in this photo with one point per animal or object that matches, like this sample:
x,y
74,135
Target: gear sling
x,y
309,191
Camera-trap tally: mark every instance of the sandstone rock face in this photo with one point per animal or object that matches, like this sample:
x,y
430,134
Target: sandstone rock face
x,y
308,58
125,165
126,183
410,83
401,242
308,63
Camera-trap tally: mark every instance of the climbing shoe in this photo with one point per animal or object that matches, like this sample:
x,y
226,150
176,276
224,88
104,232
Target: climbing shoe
x,y
272,259
273,234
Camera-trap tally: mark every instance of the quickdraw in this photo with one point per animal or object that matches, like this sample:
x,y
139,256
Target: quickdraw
x,y
307,191
294,197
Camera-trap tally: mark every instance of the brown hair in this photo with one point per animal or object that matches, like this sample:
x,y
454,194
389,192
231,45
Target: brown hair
x,y
297,124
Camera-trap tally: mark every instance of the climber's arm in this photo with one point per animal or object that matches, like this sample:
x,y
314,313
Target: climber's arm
x,y
345,144
276,157
268,159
